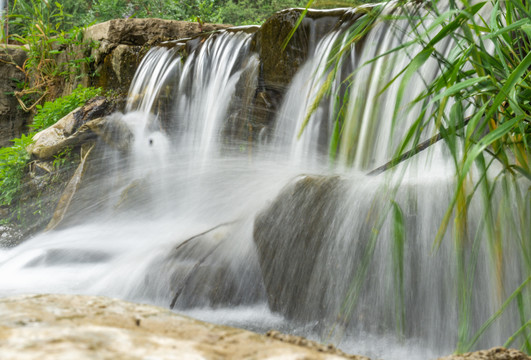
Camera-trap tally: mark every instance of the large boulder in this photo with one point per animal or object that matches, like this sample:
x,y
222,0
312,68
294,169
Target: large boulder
x,y
291,237
141,31
498,353
13,119
81,327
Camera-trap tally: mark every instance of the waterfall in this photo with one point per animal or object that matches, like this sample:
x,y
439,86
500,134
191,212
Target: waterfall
x,y
199,218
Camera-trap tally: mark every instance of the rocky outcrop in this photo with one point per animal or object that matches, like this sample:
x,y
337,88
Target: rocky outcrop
x,y
142,31
122,43
55,327
13,119
80,327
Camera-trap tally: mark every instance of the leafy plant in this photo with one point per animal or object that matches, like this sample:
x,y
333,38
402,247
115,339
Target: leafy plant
x,y
63,158
13,161
246,12
51,112
51,39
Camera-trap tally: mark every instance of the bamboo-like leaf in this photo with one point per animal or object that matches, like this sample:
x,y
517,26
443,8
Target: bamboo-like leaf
x,y
297,24
456,88
497,314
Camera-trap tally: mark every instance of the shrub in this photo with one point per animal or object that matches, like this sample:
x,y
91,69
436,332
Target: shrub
x,y
51,112
13,161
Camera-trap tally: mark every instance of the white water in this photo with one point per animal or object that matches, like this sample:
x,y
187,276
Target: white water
x,y
172,187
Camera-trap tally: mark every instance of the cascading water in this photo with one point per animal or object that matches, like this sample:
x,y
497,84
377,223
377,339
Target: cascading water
x,y
193,220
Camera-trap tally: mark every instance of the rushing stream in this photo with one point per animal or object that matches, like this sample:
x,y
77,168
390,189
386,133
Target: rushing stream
x,y
182,219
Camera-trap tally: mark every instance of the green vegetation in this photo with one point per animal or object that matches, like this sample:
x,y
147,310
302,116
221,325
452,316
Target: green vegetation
x,y
52,111
247,12
13,161
51,38
63,15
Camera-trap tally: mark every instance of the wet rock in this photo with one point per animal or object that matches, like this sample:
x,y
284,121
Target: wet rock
x,y
117,68
13,119
497,353
290,236
71,188
72,326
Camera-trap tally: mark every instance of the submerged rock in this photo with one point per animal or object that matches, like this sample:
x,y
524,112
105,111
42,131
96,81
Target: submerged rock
x,y
78,327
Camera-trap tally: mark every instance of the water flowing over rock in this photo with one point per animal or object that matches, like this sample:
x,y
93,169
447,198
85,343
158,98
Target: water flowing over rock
x,y
197,275
122,43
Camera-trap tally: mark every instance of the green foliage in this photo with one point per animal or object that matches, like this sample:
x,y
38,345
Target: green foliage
x,y
245,12
51,37
103,10
64,157
51,112
13,161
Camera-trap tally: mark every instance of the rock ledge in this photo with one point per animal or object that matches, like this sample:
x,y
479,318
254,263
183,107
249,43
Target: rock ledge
x,y
59,327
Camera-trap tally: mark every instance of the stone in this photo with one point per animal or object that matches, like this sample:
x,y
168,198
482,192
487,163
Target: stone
x,y
497,353
200,270
60,327
13,120
135,31
277,67
71,188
